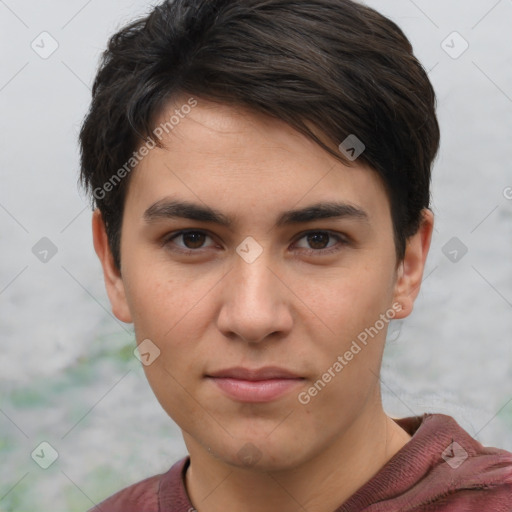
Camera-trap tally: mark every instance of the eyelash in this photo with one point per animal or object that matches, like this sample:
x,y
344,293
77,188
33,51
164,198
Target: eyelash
x,y
342,241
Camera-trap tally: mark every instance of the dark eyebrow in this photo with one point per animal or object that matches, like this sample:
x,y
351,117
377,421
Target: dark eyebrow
x,y
170,208
320,211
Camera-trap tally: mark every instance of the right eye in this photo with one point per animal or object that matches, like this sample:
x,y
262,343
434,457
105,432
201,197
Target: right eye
x,y
192,241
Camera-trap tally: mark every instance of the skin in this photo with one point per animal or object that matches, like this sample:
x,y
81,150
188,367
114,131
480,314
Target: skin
x,y
296,307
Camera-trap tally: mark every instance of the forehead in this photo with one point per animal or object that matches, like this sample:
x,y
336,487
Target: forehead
x,y
221,155
235,133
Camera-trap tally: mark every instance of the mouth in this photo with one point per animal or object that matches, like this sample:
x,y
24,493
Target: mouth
x,y
255,385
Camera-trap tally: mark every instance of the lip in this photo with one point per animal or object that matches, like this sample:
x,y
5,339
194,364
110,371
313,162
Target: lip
x,y
265,373
255,385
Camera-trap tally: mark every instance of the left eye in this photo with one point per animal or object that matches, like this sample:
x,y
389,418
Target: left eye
x,y
318,241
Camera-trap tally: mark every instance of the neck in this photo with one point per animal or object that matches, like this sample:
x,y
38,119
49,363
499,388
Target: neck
x,y
321,484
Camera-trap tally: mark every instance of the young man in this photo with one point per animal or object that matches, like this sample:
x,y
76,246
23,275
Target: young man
x,y
260,172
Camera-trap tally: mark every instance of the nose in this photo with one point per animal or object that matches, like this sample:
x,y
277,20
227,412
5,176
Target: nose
x,y
255,302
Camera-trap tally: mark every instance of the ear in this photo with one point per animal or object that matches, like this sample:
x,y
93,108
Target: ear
x,y
410,270
112,276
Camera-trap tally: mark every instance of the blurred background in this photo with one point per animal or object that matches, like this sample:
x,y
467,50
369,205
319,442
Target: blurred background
x,y
68,375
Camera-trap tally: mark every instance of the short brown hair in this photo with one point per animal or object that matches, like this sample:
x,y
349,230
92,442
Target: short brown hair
x,y
336,65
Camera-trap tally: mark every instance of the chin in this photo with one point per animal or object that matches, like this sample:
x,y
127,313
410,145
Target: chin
x,y
259,454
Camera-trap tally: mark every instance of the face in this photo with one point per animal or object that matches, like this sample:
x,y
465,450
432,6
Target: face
x,y
246,247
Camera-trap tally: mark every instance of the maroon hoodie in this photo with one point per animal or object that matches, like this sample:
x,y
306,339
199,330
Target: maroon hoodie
x,y
442,468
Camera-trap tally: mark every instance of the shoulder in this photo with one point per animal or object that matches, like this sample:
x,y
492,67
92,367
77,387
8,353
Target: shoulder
x,y
456,467
441,468
150,494
139,497
438,439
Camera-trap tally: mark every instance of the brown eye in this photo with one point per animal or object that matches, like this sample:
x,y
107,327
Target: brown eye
x,y
188,242
193,240
320,243
318,240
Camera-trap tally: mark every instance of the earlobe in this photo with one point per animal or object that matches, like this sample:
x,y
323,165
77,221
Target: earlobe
x,y
111,274
410,271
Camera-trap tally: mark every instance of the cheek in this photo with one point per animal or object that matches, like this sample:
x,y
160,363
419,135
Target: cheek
x,y
159,296
173,310
349,299
171,313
